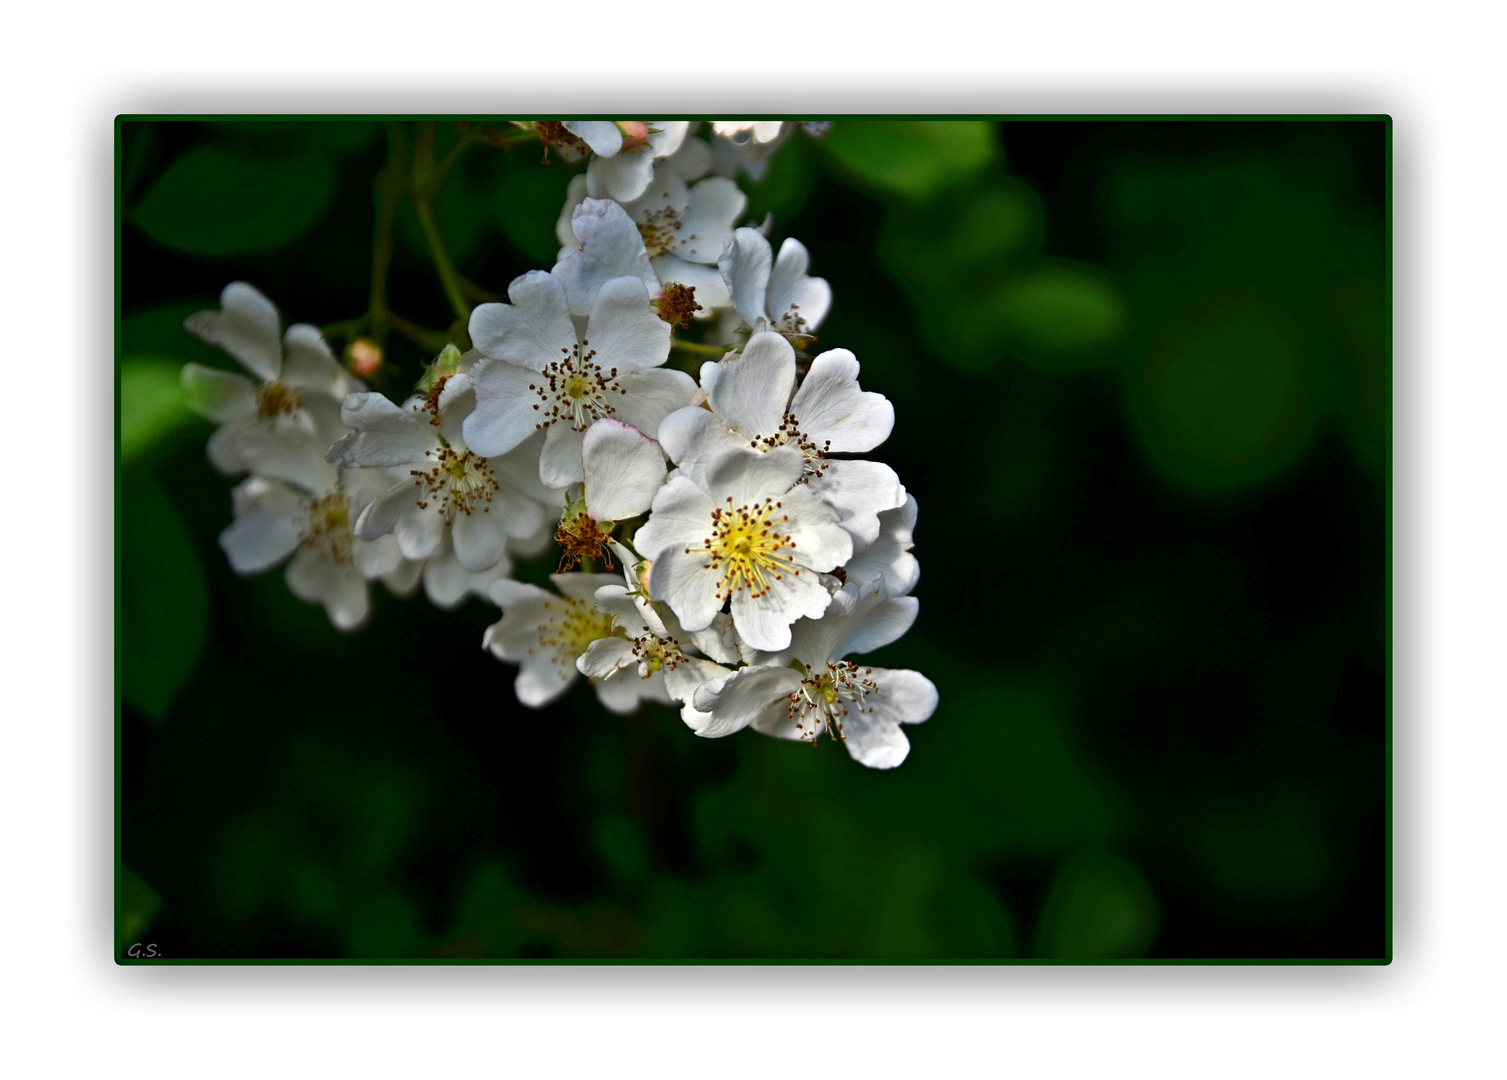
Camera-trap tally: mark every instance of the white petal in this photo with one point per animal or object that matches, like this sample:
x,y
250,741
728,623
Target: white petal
x,y
681,517
246,326
583,587
385,434
418,530
653,394
506,410
745,696
456,402
831,409
574,193
623,177
691,161
747,476
605,656
689,675
540,681
751,391
316,580
745,262
611,247
623,331
402,581
688,584
789,286
311,367
530,331
603,136
220,396
859,491
691,436
374,558
715,206
764,623
623,470
224,446
447,582
289,454
666,136
560,463
266,532
479,539
875,739
889,556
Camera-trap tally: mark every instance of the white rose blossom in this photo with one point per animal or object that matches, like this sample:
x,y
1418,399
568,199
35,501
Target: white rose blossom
x,y
681,228
299,504
754,553
750,403
743,531
481,502
298,384
545,633
809,688
622,172
772,293
537,373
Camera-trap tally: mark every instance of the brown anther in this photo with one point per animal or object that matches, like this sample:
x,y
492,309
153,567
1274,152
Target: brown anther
x,y
677,304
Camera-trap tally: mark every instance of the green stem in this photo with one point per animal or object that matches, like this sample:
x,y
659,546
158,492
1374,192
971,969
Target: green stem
x,y
443,264
427,181
388,189
699,349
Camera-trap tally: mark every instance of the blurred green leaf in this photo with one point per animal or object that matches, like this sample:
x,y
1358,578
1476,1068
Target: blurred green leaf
x,y
153,404
164,605
1061,313
138,907
158,331
1099,908
913,159
218,200
386,926
1225,397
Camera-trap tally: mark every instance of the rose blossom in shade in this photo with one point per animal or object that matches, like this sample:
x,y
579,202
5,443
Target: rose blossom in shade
x,y
297,382
809,689
298,504
773,293
537,374
743,531
750,404
681,228
481,502
545,633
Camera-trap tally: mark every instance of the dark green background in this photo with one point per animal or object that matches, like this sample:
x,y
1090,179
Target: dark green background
x,y
1142,383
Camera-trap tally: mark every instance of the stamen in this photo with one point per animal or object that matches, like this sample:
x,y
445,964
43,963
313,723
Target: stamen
x,y
328,527
570,628
462,481
276,398
748,549
826,696
575,390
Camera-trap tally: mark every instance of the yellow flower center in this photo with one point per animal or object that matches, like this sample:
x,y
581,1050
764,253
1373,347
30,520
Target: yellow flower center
x,y
748,548
328,527
572,626
276,398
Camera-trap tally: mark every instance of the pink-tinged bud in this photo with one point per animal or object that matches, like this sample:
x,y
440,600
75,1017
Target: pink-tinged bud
x,y
635,133
364,358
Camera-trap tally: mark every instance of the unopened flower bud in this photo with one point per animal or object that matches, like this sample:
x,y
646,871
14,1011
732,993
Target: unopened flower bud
x,y
635,133
363,358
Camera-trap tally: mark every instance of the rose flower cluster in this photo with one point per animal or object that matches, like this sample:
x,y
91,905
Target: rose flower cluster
x,y
725,547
